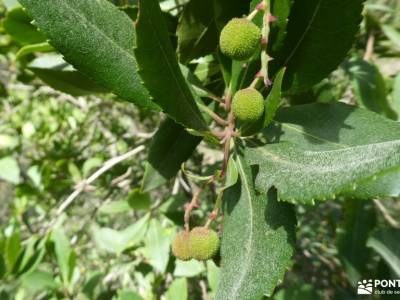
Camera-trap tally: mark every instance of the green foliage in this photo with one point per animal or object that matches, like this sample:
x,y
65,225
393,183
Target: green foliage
x,y
326,151
259,236
171,146
317,40
94,190
94,43
154,53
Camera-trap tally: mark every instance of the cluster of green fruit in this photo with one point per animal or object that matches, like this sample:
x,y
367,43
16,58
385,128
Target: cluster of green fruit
x,y
200,243
239,40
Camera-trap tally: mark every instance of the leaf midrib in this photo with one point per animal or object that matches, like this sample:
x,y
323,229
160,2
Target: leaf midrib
x,y
304,33
82,17
250,240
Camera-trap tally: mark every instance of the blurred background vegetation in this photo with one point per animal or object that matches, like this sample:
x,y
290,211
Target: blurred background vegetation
x,y
57,128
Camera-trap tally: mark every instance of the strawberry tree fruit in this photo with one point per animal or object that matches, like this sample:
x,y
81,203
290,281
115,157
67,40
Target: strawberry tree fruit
x,y
203,243
180,246
240,39
248,105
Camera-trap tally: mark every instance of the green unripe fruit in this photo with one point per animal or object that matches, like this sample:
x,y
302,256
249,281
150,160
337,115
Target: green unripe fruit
x,y
181,247
239,39
204,243
248,105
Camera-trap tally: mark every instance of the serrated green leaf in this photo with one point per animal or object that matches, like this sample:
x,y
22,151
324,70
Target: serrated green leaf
x,y
258,240
352,235
171,146
320,33
97,39
328,149
386,242
154,52
369,87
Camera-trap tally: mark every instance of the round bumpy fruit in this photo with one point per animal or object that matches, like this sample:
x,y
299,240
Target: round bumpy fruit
x,y
239,39
248,105
180,246
204,243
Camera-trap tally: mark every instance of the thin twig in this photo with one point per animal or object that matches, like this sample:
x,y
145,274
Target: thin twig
x,y
369,49
106,166
213,115
386,214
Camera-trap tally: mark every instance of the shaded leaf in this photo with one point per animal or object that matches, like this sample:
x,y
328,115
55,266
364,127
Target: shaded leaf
x,y
328,149
18,24
359,221
154,52
171,146
386,242
60,75
278,31
274,99
200,25
369,87
320,33
100,44
254,258
138,200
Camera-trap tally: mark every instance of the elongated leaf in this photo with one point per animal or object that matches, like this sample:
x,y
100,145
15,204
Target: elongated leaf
x,y
274,99
97,39
60,75
18,25
387,244
29,49
359,220
320,33
160,70
329,149
158,242
392,34
396,96
171,146
369,87
258,240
